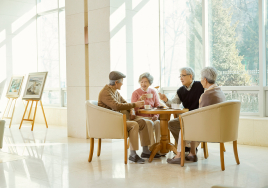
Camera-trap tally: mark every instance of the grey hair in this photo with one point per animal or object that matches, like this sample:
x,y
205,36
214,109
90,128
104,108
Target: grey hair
x,y
112,82
210,73
148,76
188,70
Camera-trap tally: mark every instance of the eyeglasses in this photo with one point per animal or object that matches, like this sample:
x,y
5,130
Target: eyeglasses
x,y
183,75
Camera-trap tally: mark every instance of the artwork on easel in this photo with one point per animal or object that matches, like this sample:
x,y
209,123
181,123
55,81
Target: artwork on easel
x,y
34,86
14,87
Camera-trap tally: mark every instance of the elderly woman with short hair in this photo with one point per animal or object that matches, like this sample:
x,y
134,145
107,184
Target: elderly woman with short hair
x,y
213,93
145,80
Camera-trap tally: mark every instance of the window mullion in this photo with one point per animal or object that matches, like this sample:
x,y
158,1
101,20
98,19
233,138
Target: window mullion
x,y
262,62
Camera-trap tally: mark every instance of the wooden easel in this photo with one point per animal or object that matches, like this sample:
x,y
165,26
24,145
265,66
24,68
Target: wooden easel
x,y
9,108
29,114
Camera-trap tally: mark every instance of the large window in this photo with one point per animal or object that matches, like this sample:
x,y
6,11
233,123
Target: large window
x,y
234,41
220,33
52,50
182,39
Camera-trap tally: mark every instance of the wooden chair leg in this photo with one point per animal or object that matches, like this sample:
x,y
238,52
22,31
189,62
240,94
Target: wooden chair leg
x,y
91,149
205,149
202,144
126,145
182,153
99,147
235,152
222,156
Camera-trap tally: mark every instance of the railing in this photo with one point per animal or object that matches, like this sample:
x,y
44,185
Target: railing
x,y
251,104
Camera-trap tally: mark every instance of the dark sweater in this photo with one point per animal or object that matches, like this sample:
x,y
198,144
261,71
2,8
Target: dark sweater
x,y
190,99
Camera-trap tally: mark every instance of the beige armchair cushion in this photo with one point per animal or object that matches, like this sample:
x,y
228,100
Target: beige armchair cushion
x,y
214,123
2,128
103,123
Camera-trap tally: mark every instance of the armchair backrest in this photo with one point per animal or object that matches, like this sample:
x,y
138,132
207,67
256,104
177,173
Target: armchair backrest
x,y
2,128
102,122
214,123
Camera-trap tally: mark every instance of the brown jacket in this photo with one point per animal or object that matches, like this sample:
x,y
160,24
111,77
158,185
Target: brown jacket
x,y
108,98
212,96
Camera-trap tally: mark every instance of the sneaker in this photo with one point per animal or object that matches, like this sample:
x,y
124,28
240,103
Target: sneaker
x,y
136,159
145,155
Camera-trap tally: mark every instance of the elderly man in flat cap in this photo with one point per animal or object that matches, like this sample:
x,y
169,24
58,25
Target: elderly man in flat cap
x,y
110,98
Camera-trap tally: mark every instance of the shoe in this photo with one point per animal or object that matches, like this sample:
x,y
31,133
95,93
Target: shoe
x,y
136,159
145,155
191,158
174,161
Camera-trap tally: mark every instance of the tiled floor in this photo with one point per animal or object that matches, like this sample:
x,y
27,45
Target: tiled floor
x,y
51,159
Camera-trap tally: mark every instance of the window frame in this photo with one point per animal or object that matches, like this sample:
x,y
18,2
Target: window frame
x,y
60,90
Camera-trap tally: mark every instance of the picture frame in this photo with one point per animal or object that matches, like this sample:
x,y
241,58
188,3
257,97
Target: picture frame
x,y
14,88
34,86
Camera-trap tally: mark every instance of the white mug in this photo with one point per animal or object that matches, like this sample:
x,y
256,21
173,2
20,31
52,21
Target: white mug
x,y
149,95
147,107
175,106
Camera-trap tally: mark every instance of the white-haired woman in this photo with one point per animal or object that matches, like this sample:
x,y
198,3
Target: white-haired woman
x,y
213,93
153,124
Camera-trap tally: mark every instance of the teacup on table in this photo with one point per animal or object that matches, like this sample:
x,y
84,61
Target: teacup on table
x,y
147,107
149,95
175,106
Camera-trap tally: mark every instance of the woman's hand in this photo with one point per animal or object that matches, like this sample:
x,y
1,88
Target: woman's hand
x,y
143,97
154,118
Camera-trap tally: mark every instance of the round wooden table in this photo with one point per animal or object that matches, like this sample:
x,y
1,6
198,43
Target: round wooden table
x,y
164,146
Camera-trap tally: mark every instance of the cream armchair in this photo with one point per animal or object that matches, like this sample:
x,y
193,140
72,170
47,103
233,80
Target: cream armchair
x,y
104,123
2,128
215,123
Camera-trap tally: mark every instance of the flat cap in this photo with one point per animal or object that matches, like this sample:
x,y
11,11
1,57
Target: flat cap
x,y
116,75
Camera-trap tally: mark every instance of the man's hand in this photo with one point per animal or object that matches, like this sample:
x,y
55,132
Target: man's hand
x,y
163,97
154,118
143,97
139,104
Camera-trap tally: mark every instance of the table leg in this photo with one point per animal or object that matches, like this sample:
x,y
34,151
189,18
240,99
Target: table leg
x,y
164,132
155,150
153,146
171,147
164,146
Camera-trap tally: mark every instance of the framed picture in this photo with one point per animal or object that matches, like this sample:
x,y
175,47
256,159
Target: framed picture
x,y
14,87
34,86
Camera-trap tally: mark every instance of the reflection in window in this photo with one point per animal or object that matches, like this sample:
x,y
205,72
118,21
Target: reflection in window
x,y
182,39
234,41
